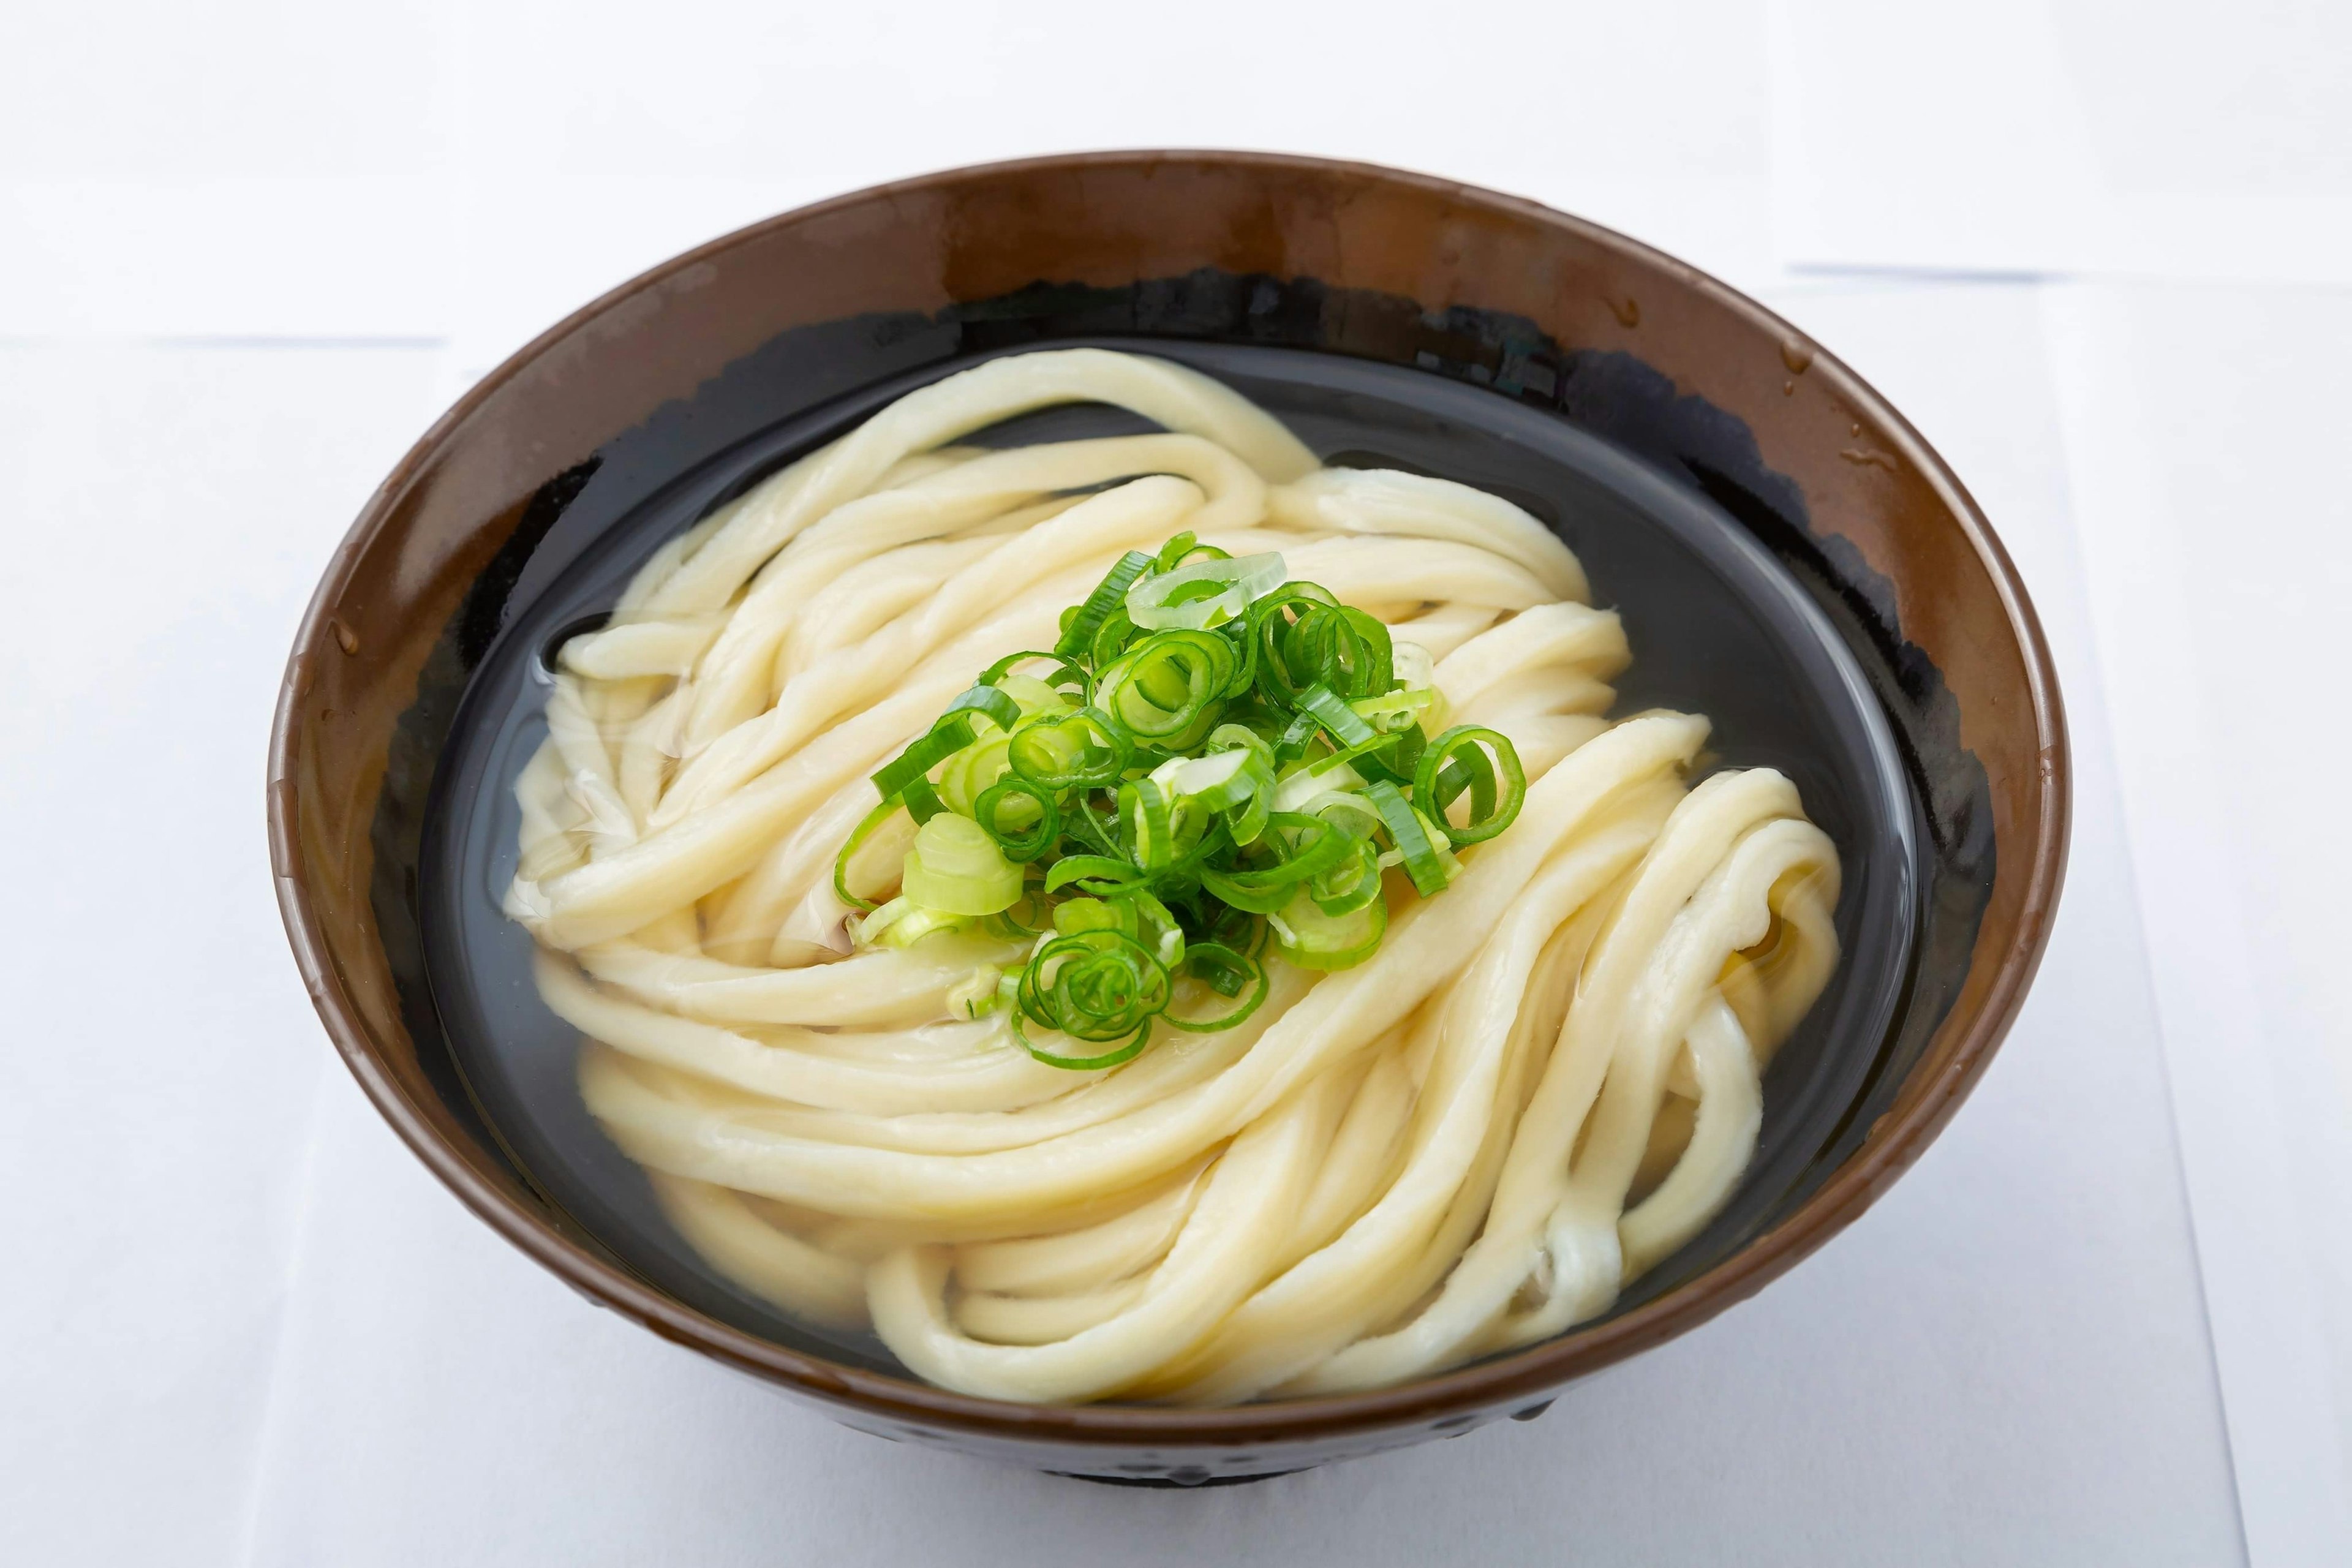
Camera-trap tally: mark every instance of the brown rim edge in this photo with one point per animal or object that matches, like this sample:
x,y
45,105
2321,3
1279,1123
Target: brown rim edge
x,y
1891,1145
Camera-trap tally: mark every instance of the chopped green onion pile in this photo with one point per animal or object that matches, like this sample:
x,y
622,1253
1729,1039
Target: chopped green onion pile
x,y
1209,758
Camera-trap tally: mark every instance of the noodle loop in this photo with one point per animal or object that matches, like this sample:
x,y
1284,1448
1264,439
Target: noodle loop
x,y
1469,991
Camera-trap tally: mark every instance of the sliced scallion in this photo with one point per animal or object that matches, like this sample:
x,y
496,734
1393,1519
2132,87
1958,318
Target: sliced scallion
x,y
1209,758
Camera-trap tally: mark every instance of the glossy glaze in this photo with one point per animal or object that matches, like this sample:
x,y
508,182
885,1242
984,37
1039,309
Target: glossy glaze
x,y
1554,314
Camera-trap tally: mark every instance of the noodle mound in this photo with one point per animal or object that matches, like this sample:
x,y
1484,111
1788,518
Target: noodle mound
x,y
1542,1082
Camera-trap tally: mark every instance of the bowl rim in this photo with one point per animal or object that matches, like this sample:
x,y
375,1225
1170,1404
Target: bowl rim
x,y
1532,1374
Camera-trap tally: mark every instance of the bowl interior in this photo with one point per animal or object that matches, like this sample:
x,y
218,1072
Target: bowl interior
x,y
1718,624
1577,349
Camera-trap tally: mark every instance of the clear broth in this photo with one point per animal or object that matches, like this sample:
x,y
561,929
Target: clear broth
x,y
1717,626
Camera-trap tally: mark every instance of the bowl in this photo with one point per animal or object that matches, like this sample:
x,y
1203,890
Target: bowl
x,y
1552,319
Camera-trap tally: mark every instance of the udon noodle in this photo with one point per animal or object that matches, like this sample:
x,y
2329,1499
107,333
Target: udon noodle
x,y
1543,1082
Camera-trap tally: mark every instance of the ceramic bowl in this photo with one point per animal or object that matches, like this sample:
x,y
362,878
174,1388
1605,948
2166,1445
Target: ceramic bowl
x,y
1554,315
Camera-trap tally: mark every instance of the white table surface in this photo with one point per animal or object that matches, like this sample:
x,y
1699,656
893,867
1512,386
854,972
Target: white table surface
x,y
246,254
2199,139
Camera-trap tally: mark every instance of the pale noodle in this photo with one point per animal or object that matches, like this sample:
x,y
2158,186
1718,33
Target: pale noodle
x,y
1544,1080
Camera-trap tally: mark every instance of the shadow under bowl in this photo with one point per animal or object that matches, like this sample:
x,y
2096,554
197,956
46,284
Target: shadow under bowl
x,y
1392,317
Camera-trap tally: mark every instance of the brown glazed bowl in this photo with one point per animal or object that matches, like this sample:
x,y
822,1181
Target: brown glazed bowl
x,y
1562,317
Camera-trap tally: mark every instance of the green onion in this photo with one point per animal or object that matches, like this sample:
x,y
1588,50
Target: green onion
x,y
1396,710
1306,640
955,868
1065,675
991,702
1412,667
1043,814
1156,928
1296,738
1093,874
1096,835
949,733
979,994
923,802
1204,593
1345,809
1077,750
1114,633
1351,884
1079,626
1412,841
1343,723
1400,762
1224,973
1165,685
1294,849
1127,1051
1209,758
1026,916
1132,912
1237,929
1147,826
856,841
944,740
964,776
902,922
1072,916
1174,554
1312,940
1240,737
1456,762
1099,985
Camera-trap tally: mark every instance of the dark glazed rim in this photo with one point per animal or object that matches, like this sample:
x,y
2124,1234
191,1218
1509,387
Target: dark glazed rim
x,y
1898,1138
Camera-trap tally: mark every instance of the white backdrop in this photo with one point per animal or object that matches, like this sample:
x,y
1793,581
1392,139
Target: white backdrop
x,y
2101,253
